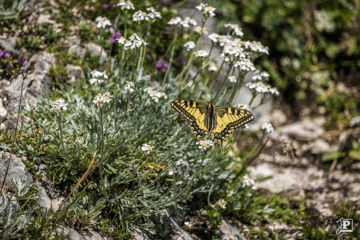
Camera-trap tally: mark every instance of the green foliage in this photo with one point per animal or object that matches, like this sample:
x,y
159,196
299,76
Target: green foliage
x,y
10,9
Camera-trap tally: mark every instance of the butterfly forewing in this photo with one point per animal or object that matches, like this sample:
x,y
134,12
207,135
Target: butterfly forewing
x,y
195,112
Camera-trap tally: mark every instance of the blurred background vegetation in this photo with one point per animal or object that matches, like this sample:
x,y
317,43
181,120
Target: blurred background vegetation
x,y
314,55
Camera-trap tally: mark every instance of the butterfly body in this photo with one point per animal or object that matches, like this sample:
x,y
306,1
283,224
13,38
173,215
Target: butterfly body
x,y
217,121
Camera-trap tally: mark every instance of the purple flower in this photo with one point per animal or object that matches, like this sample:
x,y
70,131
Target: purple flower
x,y
184,62
1,53
114,5
25,57
165,65
163,70
25,63
115,36
159,64
16,54
7,54
105,5
8,66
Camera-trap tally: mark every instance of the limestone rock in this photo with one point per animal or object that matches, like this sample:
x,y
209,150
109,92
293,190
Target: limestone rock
x,y
95,50
17,168
40,86
303,130
73,40
76,49
75,72
71,234
228,231
319,146
24,123
9,44
3,112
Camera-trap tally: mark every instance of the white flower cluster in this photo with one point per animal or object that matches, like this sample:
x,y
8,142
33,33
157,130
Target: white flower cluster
x,y
260,87
245,65
212,67
200,30
147,148
180,168
126,5
232,79
243,106
143,16
208,11
236,28
97,77
134,42
268,127
154,94
102,22
129,87
101,100
184,23
201,53
204,145
214,37
60,104
221,203
189,46
188,225
249,182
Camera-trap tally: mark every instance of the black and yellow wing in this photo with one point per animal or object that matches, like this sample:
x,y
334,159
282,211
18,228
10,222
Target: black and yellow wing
x,y
226,119
195,112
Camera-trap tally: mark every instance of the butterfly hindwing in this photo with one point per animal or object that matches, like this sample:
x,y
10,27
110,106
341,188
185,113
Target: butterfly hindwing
x,y
194,112
228,118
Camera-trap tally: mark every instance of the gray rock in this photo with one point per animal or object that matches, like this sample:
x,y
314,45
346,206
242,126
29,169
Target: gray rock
x,y
40,86
303,130
3,112
9,44
73,40
71,233
228,231
319,146
75,72
95,50
43,200
24,123
16,169
76,49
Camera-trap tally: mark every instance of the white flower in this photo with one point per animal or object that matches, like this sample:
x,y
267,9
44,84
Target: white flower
x,y
95,81
60,104
212,68
147,148
127,44
102,22
171,171
245,64
243,106
139,16
201,53
248,182
268,127
126,5
256,75
265,75
99,101
188,225
175,21
214,37
200,30
2,127
273,91
204,145
187,22
107,97
134,37
121,40
206,10
236,28
232,79
153,14
189,46
96,74
154,94
221,203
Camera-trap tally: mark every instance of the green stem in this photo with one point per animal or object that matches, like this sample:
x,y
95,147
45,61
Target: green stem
x,y
62,139
171,59
223,82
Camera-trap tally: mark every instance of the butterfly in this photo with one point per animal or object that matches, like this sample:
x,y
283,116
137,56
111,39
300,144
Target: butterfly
x,y
217,121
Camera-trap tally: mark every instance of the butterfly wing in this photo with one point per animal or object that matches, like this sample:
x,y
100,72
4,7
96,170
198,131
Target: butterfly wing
x,y
195,113
226,119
